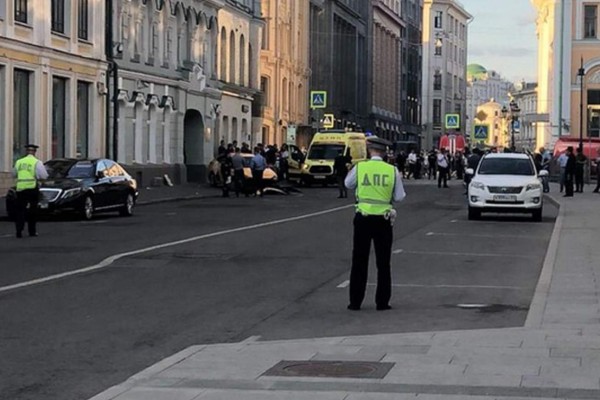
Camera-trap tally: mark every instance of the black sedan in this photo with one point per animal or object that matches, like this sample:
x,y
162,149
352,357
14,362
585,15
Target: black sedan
x,y
83,186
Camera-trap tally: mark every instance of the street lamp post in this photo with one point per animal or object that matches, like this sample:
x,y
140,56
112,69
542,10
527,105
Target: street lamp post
x,y
514,116
581,75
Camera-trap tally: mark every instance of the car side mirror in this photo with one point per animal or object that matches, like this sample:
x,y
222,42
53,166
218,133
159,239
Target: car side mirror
x,y
470,171
543,173
100,175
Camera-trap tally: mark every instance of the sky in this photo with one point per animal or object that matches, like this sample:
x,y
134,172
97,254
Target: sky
x,y
502,37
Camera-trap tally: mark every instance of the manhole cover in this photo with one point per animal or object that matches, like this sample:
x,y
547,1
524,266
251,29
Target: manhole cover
x,y
331,369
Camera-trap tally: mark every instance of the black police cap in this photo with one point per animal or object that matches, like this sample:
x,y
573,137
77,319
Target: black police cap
x,y
31,147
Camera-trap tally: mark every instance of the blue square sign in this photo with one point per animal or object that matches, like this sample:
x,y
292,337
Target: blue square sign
x,y
481,132
318,99
452,121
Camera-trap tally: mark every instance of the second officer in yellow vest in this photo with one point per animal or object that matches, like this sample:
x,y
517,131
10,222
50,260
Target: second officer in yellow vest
x,y
378,184
28,171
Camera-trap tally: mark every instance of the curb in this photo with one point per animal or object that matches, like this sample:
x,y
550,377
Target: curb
x,y
174,199
535,316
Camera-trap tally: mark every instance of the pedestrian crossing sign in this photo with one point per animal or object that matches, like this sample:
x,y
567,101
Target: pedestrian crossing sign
x,y
318,99
452,121
328,121
481,132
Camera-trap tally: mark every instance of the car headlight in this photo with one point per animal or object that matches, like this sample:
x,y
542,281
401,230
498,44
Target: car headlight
x,y
478,185
71,193
533,186
305,167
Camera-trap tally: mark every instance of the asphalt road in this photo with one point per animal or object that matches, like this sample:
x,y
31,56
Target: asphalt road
x,y
74,337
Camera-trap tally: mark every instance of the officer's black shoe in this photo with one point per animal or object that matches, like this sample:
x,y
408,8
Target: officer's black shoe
x,y
33,234
353,307
383,308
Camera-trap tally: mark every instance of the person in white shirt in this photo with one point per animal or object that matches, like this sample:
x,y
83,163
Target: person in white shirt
x,y
562,162
412,164
443,165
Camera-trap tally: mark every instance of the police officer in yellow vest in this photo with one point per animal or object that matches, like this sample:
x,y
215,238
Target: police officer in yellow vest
x,y
28,171
378,184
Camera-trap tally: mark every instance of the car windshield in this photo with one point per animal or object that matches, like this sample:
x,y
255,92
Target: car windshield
x,y
505,166
61,169
325,151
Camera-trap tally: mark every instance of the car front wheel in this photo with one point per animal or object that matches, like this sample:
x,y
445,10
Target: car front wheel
x,y
474,214
127,209
536,215
87,211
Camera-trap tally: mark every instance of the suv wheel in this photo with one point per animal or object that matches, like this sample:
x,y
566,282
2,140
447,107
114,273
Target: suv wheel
x,y
536,215
474,214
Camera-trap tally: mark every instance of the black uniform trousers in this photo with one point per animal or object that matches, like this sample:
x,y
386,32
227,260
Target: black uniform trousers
x,y
24,198
379,230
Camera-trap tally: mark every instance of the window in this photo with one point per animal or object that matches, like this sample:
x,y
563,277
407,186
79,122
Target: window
x,y
83,119
58,16
59,92
82,23
437,112
21,11
20,111
437,81
265,36
438,47
437,22
264,88
590,22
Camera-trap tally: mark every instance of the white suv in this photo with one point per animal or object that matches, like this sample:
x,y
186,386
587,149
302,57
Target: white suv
x,y
506,183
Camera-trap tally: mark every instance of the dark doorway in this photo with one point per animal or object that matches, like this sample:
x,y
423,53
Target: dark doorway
x,y
193,146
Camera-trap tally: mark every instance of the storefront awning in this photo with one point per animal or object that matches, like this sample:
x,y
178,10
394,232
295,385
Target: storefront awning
x,y
590,146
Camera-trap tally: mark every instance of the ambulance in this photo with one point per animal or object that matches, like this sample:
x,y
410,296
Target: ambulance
x,y
324,148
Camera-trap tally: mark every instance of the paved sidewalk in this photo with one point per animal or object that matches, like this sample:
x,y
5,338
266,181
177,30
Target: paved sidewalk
x,y
555,355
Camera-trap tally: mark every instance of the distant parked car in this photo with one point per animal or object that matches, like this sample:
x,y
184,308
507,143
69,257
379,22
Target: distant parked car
x,y
83,186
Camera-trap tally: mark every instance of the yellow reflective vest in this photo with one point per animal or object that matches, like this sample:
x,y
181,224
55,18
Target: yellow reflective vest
x,y
375,187
26,176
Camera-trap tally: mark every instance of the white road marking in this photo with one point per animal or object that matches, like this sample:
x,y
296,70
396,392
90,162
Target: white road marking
x,y
95,222
454,220
397,251
484,236
456,254
410,285
6,236
344,284
110,260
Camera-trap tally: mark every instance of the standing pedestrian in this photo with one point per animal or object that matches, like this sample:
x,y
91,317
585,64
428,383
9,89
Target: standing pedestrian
x,y
580,163
562,163
377,185
258,165
570,168
283,162
412,163
340,170
227,172
597,169
28,171
237,162
432,160
443,166
401,163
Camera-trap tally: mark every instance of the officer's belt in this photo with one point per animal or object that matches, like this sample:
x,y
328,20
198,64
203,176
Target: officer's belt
x,y
375,202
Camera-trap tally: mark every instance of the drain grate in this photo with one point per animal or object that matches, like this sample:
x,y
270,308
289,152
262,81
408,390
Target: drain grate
x,y
331,369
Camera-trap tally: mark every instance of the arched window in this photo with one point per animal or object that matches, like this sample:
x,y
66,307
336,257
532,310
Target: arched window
x,y
252,71
232,53
223,56
292,102
242,61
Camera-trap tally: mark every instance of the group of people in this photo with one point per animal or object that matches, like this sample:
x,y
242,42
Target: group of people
x,y
572,166
435,163
232,166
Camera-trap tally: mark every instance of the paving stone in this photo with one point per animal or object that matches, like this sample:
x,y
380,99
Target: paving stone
x,y
491,351
513,360
270,395
441,378
363,355
561,381
141,393
573,371
425,359
574,352
493,368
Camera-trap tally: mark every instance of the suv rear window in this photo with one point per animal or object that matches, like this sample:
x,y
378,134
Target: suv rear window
x,y
505,166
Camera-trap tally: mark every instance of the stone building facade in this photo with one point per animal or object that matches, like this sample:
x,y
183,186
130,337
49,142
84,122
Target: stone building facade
x,y
340,59
284,70
445,39
52,80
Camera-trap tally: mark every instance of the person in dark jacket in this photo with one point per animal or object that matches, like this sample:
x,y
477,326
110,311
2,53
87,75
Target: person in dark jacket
x,y
580,163
340,170
570,171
